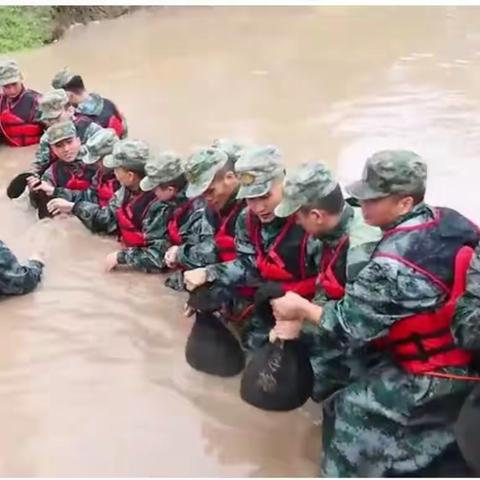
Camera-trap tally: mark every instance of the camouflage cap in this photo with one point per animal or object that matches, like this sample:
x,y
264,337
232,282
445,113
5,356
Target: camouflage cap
x,y
389,172
305,185
52,104
101,143
61,131
256,169
201,168
231,147
164,168
62,78
129,154
9,72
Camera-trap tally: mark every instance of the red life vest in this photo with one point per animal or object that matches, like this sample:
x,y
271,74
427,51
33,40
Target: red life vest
x,y
423,342
110,117
106,186
225,236
130,216
17,119
74,176
332,282
285,259
176,221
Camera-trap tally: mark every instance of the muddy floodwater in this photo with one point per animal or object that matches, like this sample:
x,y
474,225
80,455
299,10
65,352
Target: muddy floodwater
x,y
93,379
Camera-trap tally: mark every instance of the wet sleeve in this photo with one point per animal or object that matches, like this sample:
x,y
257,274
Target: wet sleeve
x,y
242,270
466,320
17,279
96,218
151,257
42,155
198,249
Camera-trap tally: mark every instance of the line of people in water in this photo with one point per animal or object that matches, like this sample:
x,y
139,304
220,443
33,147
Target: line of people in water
x,y
381,290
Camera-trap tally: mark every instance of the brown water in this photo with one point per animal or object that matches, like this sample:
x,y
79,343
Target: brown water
x,y
92,374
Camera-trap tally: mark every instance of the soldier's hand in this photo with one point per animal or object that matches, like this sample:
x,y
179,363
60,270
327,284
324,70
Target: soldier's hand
x,y
111,261
194,278
37,257
45,187
32,181
59,205
288,330
289,307
171,256
188,311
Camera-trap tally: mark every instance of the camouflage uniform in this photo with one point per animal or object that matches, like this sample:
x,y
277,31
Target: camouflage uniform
x,y
97,146
388,422
56,133
257,169
52,104
306,186
130,154
17,279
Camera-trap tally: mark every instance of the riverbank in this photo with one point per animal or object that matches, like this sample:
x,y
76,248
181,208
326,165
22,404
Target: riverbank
x,y
23,27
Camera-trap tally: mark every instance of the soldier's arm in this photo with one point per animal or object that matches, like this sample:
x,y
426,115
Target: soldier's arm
x,y
198,249
151,257
96,218
42,155
242,270
466,321
17,279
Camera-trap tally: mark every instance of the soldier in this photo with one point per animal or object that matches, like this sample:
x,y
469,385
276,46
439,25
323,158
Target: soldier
x,y
19,126
54,108
396,419
104,184
312,194
166,177
68,172
101,110
138,217
268,248
17,279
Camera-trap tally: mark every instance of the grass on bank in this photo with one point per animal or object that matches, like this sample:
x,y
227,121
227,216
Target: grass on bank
x,y
24,27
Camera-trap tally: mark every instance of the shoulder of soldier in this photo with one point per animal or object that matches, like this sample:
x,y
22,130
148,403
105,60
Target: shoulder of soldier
x,y
159,207
360,233
92,129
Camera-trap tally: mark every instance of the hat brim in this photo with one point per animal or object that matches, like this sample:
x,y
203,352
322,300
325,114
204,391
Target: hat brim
x,y
90,159
9,80
109,161
254,191
286,208
43,117
147,184
362,191
60,139
198,188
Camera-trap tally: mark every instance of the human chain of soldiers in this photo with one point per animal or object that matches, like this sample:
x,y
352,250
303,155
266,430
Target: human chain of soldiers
x,y
381,289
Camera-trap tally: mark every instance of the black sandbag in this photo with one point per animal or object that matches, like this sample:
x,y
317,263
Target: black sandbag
x,y
467,430
279,375
41,200
18,185
206,298
211,347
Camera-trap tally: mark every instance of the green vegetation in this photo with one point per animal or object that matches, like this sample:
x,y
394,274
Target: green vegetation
x,y
24,27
